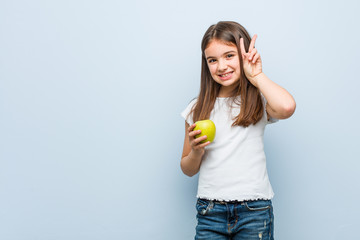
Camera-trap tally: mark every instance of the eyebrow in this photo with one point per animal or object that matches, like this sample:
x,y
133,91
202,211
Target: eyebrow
x,y
222,54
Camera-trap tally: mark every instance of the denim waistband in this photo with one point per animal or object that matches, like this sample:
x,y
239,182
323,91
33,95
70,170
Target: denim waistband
x,y
233,201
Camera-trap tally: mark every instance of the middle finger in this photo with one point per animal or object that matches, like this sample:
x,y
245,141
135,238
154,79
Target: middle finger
x,y
252,43
194,133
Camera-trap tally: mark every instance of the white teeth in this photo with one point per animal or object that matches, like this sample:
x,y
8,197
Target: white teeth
x,y
225,75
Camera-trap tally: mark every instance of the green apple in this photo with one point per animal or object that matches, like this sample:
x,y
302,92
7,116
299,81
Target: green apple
x,y
207,128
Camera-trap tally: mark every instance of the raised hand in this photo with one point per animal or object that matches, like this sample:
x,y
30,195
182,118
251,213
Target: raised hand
x,y
251,60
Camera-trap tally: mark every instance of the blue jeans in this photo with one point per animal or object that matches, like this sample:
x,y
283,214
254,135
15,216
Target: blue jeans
x,y
234,220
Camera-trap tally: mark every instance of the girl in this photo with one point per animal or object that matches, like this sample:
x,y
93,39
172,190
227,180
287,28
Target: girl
x,y
234,192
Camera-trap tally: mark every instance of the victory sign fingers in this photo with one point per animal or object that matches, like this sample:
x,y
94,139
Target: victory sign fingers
x,y
251,47
251,59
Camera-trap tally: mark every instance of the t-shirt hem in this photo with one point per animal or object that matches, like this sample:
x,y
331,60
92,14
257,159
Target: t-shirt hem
x,y
245,198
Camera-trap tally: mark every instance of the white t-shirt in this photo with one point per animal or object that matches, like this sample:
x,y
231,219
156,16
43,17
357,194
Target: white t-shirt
x,y
234,164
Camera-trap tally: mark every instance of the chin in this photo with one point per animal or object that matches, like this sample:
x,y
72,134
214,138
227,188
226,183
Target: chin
x,y
228,83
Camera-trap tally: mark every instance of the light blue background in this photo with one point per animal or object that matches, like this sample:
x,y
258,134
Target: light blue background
x,y
90,128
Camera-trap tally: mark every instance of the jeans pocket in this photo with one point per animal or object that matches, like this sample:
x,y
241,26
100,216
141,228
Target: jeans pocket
x,y
203,206
258,205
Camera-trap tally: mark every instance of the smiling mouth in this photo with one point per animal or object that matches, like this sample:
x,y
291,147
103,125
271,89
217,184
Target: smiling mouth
x,y
226,74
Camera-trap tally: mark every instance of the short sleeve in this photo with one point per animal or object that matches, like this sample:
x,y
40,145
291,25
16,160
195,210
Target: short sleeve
x,y
270,119
185,113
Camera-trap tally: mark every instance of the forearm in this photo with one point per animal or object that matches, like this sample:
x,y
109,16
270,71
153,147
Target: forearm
x,y
190,164
280,101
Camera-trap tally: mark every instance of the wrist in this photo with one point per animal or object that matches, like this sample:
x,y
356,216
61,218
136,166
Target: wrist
x,y
196,154
257,79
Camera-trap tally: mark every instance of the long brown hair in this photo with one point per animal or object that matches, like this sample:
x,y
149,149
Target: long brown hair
x,y
251,106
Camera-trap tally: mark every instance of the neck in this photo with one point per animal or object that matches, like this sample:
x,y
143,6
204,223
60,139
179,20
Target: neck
x,y
226,92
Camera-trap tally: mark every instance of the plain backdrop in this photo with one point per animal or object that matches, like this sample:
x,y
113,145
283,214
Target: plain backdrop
x,y
90,128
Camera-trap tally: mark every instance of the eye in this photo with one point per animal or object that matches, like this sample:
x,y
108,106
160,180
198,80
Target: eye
x,y
230,55
211,60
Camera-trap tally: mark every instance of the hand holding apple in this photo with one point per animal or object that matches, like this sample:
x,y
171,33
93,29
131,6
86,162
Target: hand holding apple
x,y
207,128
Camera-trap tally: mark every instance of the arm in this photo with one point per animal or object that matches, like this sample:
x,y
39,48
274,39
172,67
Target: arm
x,y
280,104
193,151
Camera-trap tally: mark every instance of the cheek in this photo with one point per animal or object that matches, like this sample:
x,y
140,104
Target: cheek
x,y
235,64
212,69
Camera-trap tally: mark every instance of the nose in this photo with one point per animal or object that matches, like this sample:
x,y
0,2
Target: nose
x,y
222,66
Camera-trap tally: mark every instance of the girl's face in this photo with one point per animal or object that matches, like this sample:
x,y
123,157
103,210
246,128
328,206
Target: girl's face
x,y
224,65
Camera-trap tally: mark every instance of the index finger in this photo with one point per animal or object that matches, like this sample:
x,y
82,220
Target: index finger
x,y
252,43
191,127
